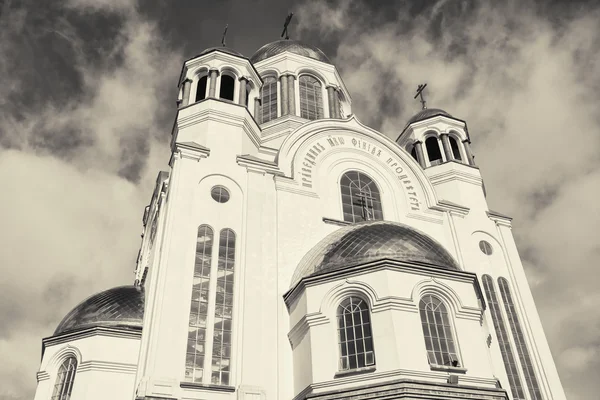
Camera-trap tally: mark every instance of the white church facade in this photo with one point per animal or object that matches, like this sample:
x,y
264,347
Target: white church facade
x,y
291,252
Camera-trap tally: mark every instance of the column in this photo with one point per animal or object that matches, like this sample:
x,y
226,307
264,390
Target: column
x,y
420,155
284,94
470,157
257,110
291,95
187,85
446,146
338,112
213,82
330,97
243,89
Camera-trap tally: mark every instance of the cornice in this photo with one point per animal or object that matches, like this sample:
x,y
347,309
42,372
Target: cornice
x,y
192,150
251,162
453,175
500,219
122,333
286,184
448,206
301,328
122,368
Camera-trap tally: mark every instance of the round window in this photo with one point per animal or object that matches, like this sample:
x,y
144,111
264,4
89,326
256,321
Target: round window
x,y
219,194
485,247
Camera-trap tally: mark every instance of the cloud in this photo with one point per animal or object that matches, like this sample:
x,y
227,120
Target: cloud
x,y
82,137
521,76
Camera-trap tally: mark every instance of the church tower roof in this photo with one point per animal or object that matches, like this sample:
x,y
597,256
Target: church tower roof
x,y
427,113
293,46
121,306
371,241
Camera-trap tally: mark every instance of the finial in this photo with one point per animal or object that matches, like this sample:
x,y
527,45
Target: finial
x,y
420,93
224,34
285,26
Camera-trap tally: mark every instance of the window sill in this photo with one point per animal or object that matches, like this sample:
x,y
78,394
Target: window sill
x,y
447,368
212,387
358,371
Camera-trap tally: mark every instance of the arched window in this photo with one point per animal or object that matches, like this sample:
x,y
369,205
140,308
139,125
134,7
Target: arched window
x,y
64,379
227,87
503,340
268,100
433,150
354,334
519,338
221,354
311,98
455,148
360,198
194,361
201,88
439,341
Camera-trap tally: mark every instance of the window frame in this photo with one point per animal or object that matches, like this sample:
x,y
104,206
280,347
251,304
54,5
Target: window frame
x,y
69,380
235,87
196,83
277,98
442,159
320,111
452,137
343,332
343,204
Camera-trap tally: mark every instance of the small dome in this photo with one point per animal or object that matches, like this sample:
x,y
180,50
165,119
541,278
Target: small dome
x,y
427,113
293,46
222,49
122,306
371,241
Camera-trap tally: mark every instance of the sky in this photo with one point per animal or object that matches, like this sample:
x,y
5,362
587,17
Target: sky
x,y
87,101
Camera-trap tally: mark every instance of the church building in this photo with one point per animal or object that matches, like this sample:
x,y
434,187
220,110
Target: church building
x,y
290,252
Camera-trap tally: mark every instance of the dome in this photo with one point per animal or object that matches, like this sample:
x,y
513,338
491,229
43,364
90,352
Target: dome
x,y
222,49
427,113
372,241
293,46
122,306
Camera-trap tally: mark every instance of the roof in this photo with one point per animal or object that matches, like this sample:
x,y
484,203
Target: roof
x,y
293,46
122,306
371,241
427,113
222,49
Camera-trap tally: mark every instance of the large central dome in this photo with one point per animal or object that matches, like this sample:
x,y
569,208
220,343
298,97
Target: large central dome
x,y
293,46
372,241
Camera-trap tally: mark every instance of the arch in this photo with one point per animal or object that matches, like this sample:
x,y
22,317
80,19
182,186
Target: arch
x,y
510,365
455,147
58,358
314,72
520,341
441,290
438,331
201,88
355,335
227,86
361,198
311,97
434,153
65,378
346,289
221,354
289,158
196,345
269,99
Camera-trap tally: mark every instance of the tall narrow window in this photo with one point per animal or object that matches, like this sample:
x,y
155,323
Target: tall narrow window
x,y
455,148
510,364
201,88
360,198
439,341
64,379
227,87
433,150
221,354
196,346
311,98
515,326
354,334
268,99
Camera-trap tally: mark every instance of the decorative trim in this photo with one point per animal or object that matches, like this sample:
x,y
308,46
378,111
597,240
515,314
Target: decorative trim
x,y
447,368
445,205
42,376
499,218
252,162
333,221
208,387
106,366
301,328
123,333
192,150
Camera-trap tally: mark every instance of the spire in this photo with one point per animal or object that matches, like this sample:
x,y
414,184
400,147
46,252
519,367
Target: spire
x,y
285,26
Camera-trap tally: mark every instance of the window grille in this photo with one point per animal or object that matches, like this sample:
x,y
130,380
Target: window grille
x,y
354,334
268,98
196,346
360,198
439,341
311,98
65,379
503,340
519,338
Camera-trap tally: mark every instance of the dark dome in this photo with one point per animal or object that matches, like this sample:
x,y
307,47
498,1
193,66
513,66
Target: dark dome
x,y
222,49
371,241
122,306
293,46
427,113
